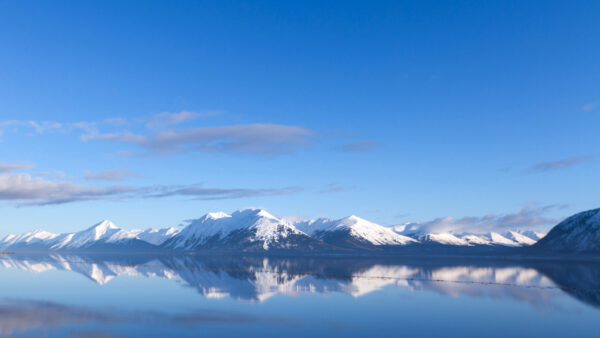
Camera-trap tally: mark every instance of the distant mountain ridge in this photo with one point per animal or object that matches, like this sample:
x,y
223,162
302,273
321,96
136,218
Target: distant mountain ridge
x,y
102,236
511,238
256,230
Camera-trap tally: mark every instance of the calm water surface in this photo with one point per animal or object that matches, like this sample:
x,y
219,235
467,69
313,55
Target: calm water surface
x,y
66,295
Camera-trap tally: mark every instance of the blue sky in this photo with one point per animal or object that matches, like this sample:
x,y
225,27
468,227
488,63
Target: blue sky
x,y
151,113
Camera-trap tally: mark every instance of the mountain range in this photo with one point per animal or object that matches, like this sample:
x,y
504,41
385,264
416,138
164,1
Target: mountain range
x,y
256,230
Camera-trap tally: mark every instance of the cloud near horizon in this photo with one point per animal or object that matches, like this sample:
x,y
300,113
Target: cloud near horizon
x,y
26,190
530,217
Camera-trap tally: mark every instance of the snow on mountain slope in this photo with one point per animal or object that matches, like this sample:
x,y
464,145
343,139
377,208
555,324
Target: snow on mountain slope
x,y
243,229
445,239
355,227
520,238
101,231
477,240
579,233
30,238
535,235
496,238
512,238
158,237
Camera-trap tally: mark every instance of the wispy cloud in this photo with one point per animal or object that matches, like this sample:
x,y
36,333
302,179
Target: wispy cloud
x,y
115,121
257,139
169,119
26,190
591,106
7,167
359,147
38,127
51,174
333,187
561,164
265,139
109,175
200,193
530,217
43,127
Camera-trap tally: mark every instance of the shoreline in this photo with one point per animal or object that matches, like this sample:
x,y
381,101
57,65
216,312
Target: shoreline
x,y
384,256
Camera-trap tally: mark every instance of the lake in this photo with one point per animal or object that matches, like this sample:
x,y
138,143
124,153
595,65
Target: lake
x,y
254,296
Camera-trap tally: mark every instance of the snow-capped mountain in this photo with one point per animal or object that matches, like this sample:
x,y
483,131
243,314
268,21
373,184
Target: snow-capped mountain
x,y
579,233
258,230
353,232
248,230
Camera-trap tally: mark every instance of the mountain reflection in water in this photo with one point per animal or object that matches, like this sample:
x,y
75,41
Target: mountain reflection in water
x,y
256,279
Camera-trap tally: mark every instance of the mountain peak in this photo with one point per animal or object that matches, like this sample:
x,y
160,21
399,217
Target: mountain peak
x,y
215,215
255,212
97,231
353,219
104,225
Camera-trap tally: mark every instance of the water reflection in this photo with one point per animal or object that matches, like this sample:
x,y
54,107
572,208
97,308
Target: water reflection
x,y
257,279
